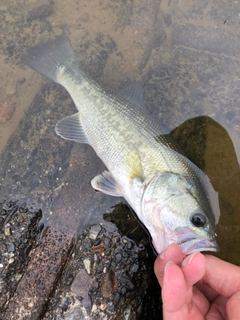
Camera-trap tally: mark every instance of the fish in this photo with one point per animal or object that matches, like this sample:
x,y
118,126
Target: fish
x,y
144,164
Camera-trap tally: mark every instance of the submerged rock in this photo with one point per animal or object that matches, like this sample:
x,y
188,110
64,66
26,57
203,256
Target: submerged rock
x,y
119,281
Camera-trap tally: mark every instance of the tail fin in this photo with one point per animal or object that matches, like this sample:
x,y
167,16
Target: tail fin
x,y
46,58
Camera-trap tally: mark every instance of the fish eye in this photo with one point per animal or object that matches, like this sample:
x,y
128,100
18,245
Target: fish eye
x,y
198,220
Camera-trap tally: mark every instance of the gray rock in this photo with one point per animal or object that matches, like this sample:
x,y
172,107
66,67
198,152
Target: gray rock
x,y
76,313
94,231
81,284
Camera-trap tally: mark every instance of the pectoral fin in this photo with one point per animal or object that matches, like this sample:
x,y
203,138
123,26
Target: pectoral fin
x,y
70,128
106,183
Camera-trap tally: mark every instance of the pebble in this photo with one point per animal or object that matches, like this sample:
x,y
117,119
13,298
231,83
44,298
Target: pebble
x,y
87,265
125,280
127,313
7,231
97,242
111,308
18,277
99,268
107,242
116,298
135,267
11,248
94,308
94,231
86,301
17,235
118,257
76,313
81,284
129,245
11,260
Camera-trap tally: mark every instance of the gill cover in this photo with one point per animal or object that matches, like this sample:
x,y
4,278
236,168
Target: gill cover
x,y
158,192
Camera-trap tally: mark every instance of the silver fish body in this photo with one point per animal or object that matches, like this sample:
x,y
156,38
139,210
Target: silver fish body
x,y
145,165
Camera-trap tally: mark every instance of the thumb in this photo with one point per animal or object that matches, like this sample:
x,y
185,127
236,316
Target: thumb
x,y
174,293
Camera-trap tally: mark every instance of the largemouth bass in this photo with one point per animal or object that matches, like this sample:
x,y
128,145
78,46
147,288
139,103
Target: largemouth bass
x,y
144,164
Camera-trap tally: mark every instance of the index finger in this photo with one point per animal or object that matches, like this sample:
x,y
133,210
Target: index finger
x,y
221,276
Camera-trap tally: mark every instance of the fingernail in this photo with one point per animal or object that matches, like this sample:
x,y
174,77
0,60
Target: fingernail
x,y
164,253
188,260
167,264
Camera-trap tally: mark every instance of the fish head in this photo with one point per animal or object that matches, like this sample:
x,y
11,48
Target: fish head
x,y
175,209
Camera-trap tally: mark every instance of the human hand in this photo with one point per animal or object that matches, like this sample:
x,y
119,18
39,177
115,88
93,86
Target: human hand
x,y
197,286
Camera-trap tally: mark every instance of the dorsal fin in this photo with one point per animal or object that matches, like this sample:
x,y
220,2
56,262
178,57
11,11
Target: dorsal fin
x,y
132,92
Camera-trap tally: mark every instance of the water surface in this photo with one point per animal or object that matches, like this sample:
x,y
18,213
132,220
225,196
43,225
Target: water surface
x,y
187,56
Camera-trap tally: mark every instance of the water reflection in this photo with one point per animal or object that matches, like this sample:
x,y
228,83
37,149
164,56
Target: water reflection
x,y
210,147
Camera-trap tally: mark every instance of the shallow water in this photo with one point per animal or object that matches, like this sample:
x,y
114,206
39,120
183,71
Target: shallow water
x,y
187,56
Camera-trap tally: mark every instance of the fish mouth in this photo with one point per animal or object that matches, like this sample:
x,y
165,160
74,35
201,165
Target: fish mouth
x,y
196,245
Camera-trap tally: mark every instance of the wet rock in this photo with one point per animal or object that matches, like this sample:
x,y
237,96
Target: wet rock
x,y
16,234
127,313
11,260
116,298
14,252
94,231
38,280
118,257
167,19
7,230
11,248
76,313
107,242
230,115
81,284
111,308
116,287
100,268
23,207
84,17
87,265
126,281
7,109
135,268
129,245
41,9
97,242
86,302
